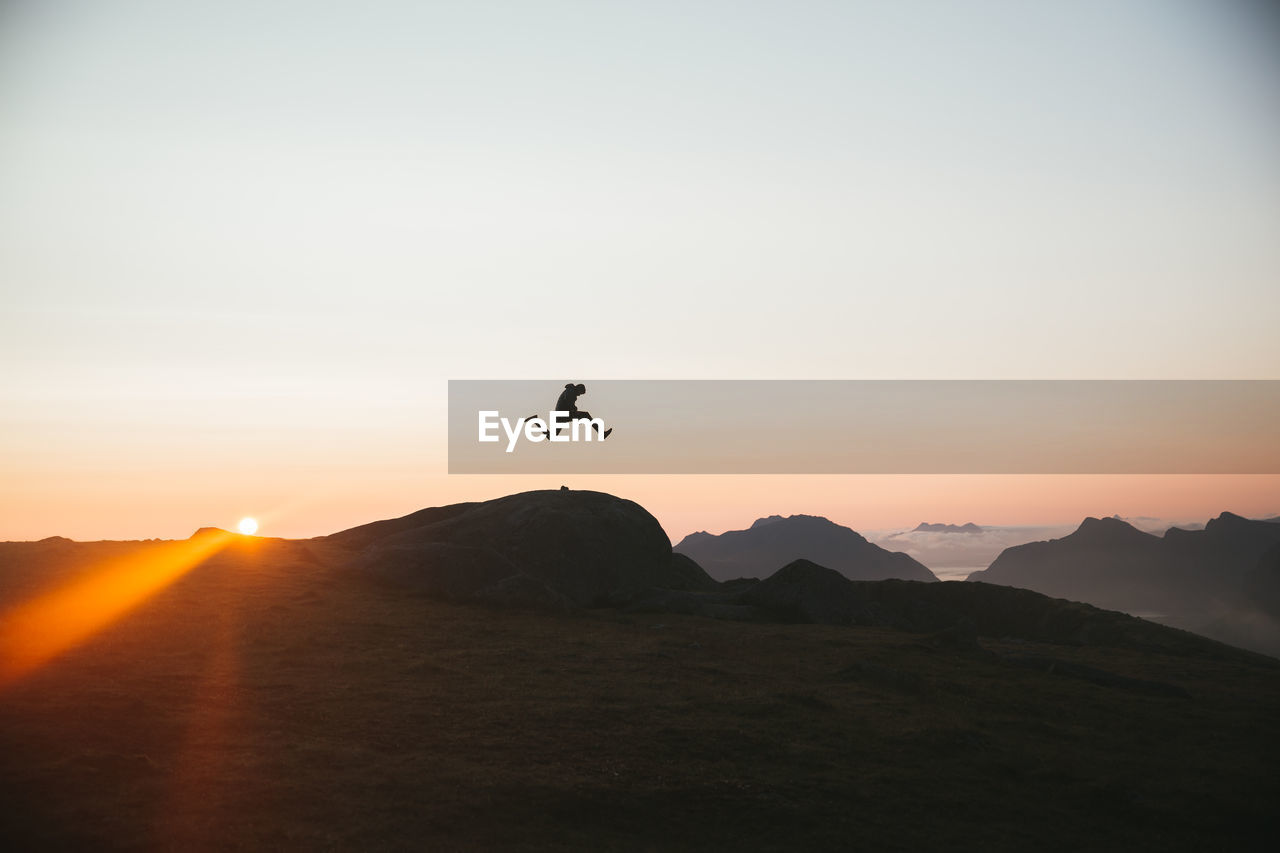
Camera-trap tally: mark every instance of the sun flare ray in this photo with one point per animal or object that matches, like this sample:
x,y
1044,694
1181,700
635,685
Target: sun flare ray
x,y
33,633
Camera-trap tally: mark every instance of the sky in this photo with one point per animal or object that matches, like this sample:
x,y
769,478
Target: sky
x,y
245,245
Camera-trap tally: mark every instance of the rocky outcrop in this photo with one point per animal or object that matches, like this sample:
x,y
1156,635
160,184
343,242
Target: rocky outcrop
x,y
588,547
803,591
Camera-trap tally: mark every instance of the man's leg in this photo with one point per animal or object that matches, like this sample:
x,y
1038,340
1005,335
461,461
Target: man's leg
x,y
586,416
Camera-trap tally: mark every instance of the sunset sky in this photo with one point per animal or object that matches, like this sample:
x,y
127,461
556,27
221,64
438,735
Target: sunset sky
x,y
244,245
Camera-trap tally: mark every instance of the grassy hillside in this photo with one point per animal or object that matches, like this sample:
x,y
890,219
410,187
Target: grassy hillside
x,y
267,701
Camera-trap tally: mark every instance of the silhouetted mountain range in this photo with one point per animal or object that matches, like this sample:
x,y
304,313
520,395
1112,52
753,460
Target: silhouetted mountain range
x,y
773,542
1209,580
568,549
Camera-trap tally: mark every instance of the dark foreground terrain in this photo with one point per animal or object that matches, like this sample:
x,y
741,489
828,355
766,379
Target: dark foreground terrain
x,y
268,699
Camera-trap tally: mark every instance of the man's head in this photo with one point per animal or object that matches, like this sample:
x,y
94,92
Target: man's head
x,y
580,388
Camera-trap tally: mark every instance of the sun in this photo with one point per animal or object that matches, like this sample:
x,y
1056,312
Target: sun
x,y
248,526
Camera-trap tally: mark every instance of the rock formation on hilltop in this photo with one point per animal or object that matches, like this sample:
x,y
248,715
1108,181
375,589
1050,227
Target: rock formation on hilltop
x,y
553,547
773,542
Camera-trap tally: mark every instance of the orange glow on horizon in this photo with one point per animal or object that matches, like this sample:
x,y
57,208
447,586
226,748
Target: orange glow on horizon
x,y
302,506
34,633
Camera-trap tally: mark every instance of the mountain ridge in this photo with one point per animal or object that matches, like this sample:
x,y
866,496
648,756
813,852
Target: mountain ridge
x,y
1201,580
774,541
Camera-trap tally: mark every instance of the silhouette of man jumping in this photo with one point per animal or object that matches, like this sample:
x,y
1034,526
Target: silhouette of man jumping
x,y
568,402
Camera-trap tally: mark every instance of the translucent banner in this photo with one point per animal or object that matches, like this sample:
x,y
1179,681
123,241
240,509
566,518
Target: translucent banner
x,y
864,426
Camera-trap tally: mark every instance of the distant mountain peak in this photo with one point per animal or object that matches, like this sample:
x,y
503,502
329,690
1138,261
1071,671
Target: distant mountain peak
x,y
774,519
1232,519
1228,522
927,527
1111,522
777,540
1108,530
